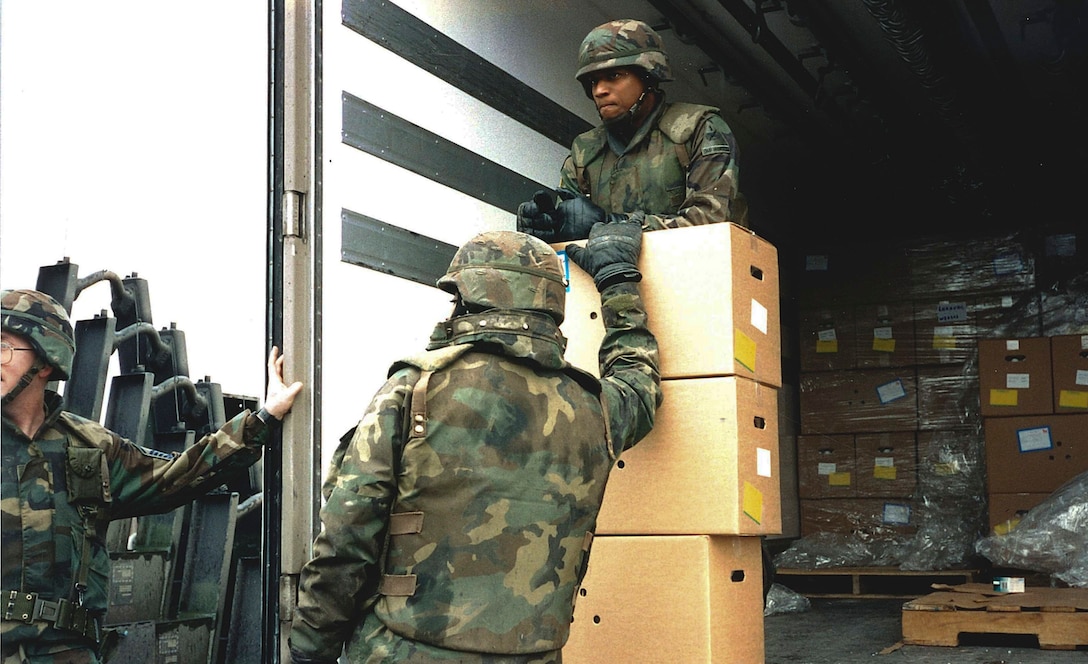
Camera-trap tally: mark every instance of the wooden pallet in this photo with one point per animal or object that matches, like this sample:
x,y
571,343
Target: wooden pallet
x,y
867,582
1058,617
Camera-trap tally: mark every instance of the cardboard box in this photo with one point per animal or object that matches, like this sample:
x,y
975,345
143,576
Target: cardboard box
x,y
692,599
884,335
862,400
1008,315
863,517
711,294
944,330
951,462
826,466
1069,370
1014,377
710,465
1034,454
787,461
828,339
947,397
1006,509
887,464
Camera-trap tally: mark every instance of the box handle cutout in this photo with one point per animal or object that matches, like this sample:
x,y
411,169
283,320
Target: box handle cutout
x,y
756,272
1015,358
759,422
737,576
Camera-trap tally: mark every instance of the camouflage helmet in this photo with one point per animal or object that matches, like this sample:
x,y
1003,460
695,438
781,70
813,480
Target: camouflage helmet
x,y
508,270
44,321
624,43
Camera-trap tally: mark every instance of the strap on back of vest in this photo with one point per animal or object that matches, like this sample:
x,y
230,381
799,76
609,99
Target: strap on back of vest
x,y
406,523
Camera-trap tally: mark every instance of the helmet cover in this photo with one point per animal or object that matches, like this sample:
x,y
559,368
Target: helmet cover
x,y
624,43
44,322
508,270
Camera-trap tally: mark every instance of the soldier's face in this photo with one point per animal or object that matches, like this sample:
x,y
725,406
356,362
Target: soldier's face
x,y
20,363
615,91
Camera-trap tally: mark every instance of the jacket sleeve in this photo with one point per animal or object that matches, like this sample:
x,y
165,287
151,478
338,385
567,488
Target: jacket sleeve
x,y
712,194
145,481
340,582
630,378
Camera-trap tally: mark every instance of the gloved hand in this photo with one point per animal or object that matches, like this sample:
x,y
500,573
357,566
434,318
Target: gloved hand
x,y
611,254
572,219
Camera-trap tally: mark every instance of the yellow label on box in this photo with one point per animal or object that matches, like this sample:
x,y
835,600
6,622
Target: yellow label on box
x,y
753,503
838,479
1073,399
944,343
1003,397
884,345
827,345
744,350
884,472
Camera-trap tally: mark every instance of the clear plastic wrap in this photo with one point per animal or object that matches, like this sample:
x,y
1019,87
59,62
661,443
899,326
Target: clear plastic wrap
x,y
1051,538
781,599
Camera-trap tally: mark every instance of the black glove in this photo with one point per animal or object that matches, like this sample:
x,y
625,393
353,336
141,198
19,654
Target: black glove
x,y
571,220
611,255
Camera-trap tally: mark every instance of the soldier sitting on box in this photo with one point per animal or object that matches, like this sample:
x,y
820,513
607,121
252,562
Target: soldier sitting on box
x,y
676,164
460,510
65,478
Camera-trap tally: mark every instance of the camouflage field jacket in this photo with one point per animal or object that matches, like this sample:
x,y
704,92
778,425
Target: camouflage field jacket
x,y
681,168
74,460
461,534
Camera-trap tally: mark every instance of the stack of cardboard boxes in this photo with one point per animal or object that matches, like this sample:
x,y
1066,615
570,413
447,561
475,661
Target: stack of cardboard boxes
x,y
891,445
675,572
1034,396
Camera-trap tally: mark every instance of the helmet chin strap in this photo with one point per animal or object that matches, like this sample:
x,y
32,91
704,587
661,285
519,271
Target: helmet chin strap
x,y
26,380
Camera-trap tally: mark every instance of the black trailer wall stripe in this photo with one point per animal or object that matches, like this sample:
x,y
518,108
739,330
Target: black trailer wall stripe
x,y
393,250
394,139
393,28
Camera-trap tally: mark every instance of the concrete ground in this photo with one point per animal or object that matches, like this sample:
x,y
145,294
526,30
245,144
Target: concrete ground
x,y
850,631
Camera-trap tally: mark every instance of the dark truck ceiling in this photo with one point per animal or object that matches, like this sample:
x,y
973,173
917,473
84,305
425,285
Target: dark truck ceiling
x,y
887,117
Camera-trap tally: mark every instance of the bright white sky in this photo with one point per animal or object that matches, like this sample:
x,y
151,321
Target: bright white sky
x,y
132,139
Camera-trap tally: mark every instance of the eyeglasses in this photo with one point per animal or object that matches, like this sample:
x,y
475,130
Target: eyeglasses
x,y
7,352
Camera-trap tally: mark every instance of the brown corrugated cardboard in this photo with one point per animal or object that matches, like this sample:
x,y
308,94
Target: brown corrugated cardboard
x,y
948,397
1034,454
691,599
787,461
863,517
826,466
944,330
862,400
710,465
1014,377
711,293
887,464
828,339
884,334
1069,368
1006,509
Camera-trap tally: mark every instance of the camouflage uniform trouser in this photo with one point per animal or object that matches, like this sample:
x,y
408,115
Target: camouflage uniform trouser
x,y
28,654
374,643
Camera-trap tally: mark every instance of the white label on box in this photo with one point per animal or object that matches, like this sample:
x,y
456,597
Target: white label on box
x,y
816,263
826,335
1009,263
882,333
759,317
889,392
943,332
763,462
1018,381
825,468
897,514
1012,344
1082,376
884,462
1006,302
952,312
1033,440
1084,342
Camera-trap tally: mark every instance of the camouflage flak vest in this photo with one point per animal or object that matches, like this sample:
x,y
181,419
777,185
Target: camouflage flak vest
x,y
499,486
651,178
